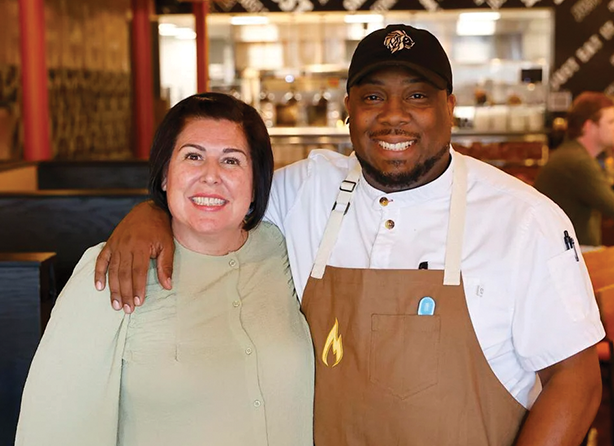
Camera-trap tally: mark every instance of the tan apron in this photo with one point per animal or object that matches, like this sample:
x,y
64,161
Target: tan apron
x,y
388,376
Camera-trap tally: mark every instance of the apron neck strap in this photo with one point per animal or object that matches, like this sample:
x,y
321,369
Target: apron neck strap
x,y
340,208
456,223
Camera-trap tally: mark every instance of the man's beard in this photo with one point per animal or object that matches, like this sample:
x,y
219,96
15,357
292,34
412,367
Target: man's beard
x,y
402,180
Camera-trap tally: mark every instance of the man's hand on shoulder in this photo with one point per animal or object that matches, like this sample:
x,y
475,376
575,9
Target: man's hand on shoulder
x,y
144,234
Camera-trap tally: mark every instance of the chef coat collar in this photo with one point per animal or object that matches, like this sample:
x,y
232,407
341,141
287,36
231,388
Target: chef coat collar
x,y
436,189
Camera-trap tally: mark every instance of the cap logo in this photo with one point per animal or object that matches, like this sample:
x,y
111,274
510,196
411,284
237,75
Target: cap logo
x,y
397,40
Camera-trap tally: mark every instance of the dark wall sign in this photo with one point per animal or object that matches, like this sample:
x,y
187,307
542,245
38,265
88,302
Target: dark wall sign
x,y
583,37
584,46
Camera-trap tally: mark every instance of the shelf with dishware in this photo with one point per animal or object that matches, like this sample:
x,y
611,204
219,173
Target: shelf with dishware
x,y
503,149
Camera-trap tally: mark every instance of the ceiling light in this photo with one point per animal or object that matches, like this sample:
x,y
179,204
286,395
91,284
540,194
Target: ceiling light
x,y
479,16
249,20
363,18
185,34
167,29
475,28
476,23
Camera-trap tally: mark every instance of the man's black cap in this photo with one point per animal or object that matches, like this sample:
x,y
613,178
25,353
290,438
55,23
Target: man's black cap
x,y
405,46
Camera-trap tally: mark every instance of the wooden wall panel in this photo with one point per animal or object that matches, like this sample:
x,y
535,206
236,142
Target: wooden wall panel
x,y
89,78
11,140
9,33
88,62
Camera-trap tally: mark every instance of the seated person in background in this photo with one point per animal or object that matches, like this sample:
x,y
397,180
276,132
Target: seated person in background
x,y
572,177
225,358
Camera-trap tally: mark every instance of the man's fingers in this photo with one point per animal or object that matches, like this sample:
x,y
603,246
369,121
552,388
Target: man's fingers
x,y
125,283
113,275
164,267
140,266
100,271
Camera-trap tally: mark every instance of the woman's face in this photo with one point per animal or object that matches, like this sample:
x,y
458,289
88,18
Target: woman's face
x,y
209,184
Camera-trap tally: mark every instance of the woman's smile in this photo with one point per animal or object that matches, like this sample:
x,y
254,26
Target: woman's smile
x,y
208,201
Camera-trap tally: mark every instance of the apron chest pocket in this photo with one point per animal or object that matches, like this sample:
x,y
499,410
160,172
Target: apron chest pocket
x,y
404,350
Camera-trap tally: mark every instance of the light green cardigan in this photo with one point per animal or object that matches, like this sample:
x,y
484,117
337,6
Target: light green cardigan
x,y
225,358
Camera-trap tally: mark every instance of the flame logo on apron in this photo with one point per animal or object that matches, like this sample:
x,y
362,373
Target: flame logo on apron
x,y
335,342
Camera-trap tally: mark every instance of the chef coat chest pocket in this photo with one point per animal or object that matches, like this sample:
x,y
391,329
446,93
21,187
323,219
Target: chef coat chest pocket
x,y
570,284
404,350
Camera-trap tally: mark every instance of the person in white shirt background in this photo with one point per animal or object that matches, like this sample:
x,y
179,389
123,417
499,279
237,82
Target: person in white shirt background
x,y
447,301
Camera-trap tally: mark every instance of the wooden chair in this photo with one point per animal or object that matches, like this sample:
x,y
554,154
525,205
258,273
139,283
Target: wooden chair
x,y
605,349
600,265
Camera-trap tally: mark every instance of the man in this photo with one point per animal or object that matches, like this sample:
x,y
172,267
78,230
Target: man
x,y
572,177
407,351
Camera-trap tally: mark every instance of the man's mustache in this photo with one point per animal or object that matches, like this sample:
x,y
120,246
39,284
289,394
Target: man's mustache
x,y
394,132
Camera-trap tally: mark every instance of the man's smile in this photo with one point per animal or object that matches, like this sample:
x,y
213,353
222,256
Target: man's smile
x,y
396,147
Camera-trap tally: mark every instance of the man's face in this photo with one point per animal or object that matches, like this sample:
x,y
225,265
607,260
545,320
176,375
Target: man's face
x,y
604,129
400,127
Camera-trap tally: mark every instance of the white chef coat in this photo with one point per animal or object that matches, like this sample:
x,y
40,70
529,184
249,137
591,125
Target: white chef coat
x,y
531,302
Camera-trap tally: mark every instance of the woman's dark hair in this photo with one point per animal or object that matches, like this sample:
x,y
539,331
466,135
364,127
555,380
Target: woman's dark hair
x,y
587,106
217,106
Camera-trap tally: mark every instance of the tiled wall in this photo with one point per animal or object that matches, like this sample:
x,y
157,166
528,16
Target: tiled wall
x,y
88,62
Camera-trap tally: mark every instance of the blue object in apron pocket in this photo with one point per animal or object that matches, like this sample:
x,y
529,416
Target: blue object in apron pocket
x,y
426,306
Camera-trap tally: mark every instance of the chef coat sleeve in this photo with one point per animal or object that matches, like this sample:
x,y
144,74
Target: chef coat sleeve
x,y
555,314
287,183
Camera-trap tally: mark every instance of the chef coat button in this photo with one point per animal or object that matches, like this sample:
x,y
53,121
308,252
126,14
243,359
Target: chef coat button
x,y
248,351
236,303
389,224
257,403
384,201
233,263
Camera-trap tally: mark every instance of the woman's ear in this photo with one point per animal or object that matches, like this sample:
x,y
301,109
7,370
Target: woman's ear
x,y
165,176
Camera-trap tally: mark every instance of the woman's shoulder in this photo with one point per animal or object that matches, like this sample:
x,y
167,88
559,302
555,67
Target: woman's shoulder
x,y
90,255
268,233
85,268
80,302
267,240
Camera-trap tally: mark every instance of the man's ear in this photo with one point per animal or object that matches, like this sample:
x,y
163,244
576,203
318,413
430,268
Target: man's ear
x,y
451,104
587,127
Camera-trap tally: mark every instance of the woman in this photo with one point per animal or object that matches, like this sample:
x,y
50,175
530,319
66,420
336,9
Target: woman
x,y
225,358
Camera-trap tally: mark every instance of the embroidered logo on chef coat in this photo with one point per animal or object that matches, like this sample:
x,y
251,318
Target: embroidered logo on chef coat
x,y
334,341
397,40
